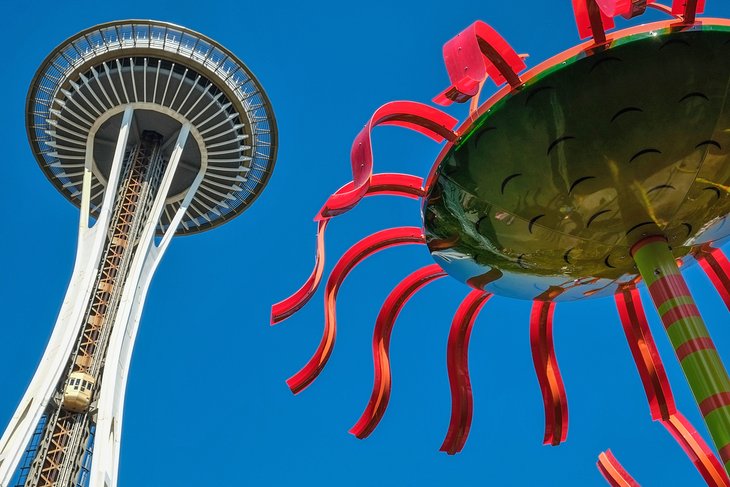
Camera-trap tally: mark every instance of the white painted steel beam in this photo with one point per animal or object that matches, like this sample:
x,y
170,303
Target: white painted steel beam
x,y
105,462
65,332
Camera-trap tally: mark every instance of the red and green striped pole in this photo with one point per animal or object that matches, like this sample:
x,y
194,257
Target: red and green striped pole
x,y
697,355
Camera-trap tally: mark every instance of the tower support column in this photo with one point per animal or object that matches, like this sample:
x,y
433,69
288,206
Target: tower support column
x,y
104,464
44,385
689,336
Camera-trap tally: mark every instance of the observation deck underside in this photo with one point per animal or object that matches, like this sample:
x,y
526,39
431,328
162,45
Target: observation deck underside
x,y
171,76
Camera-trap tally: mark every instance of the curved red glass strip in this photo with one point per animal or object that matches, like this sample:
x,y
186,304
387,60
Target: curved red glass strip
x,y
595,17
548,373
381,345
424,119
290,305
357,253
457,360
688,9
474,54
591,21
614,473
626,8
645,353
717,268
697,450
382,184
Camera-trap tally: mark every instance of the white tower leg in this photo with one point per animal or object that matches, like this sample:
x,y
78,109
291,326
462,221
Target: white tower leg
x,y
53,363
105,461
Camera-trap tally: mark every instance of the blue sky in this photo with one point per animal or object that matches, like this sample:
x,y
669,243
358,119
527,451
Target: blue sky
x,y
206,400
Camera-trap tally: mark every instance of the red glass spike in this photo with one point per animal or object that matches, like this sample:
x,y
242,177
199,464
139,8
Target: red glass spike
x,y
697,450
645,353
457,360
614,472
688,9
548,373
626,8
381,184
595,17
356,254
416,116
716,266
658,391
591,21
381,345
473,55
287,307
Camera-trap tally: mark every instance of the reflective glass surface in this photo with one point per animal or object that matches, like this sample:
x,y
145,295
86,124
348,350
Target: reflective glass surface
x,y
547,191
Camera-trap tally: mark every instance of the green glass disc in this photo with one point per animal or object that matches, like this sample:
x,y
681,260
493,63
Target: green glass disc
x,y
551,186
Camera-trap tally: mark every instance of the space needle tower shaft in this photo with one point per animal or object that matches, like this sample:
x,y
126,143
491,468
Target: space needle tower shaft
x,y
128,228
152,130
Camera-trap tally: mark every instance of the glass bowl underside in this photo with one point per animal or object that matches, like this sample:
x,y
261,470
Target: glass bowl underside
x,y
553,184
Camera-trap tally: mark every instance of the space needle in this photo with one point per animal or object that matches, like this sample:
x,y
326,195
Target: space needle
x,y
153,131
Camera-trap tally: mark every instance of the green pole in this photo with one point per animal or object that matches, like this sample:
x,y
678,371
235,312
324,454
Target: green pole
x,y
697,355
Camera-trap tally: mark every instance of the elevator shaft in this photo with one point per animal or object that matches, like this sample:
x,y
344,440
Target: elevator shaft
x,y
68,431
